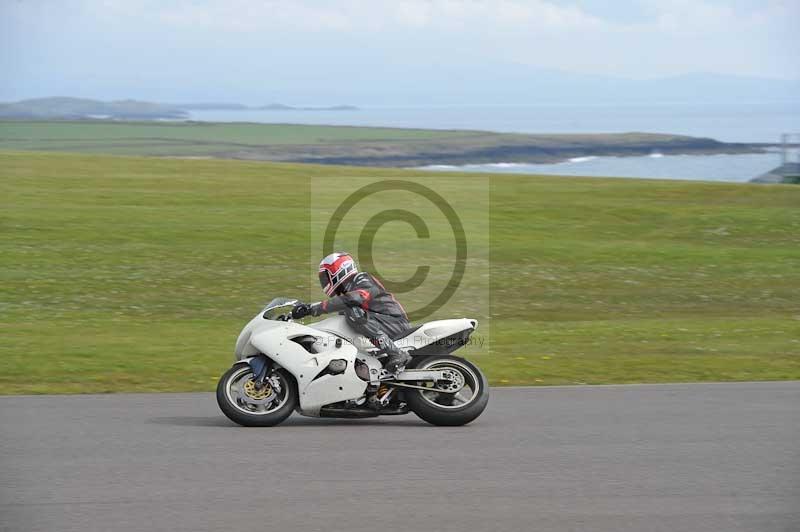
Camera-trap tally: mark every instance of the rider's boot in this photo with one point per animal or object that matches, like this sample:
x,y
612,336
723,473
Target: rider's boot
x,y
397,359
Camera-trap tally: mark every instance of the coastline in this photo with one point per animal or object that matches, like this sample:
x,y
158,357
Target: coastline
x,y
729,168
512,154
347,145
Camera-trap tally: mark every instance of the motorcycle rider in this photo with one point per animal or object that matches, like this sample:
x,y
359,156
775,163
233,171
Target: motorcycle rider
x,y
368,307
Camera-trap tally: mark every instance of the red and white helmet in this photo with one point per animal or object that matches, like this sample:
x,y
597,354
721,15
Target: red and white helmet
x,y
335,269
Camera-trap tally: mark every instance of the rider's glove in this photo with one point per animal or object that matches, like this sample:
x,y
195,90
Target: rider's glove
x,y
300,310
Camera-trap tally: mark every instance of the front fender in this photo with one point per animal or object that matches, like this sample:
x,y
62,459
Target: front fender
x,y
316,384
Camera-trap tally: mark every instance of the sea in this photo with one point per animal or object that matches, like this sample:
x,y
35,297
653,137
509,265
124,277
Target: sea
x,y
741,122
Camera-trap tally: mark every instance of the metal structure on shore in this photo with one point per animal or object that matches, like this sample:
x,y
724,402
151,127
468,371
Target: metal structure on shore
x,y
789,170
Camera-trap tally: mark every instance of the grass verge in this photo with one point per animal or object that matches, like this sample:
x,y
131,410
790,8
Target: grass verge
x,y
135,274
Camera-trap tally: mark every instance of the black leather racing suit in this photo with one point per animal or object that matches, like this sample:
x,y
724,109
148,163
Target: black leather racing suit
x,y
370,310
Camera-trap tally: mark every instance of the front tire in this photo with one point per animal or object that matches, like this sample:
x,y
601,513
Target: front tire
x,y
440,408
242,404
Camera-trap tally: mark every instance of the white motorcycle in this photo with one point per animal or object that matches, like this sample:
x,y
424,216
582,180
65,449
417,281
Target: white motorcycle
x,y
326,369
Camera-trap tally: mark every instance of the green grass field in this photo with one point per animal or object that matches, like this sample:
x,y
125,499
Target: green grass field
x,y
136,274
180,138
233,133
363,146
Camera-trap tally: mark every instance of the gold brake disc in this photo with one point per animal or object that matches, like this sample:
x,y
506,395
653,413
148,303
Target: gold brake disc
x,y
253,393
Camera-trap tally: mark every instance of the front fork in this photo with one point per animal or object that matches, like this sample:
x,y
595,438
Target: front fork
x,y
261,366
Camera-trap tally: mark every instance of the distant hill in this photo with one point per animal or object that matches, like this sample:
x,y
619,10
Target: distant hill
x,y
80,108
66,108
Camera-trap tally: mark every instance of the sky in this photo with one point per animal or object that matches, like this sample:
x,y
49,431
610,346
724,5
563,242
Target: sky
x,y
305,51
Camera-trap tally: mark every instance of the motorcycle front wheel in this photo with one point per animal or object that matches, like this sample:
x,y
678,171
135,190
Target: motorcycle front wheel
x,y
248,404
456,402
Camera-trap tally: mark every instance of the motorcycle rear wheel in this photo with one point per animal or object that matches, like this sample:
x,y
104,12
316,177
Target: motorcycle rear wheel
x,y
242,404
438,407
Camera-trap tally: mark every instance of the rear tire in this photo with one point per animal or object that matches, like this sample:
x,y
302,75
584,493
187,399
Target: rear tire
x,y
432,406
236,408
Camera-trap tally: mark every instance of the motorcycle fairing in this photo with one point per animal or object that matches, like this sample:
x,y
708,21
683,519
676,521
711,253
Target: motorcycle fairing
x,y
316,387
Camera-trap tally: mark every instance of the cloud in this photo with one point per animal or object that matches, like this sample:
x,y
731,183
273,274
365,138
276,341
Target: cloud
x,y
356,15
229,44
679,35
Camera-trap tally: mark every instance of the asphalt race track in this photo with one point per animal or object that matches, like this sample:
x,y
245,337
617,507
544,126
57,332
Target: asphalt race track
x,y
702,457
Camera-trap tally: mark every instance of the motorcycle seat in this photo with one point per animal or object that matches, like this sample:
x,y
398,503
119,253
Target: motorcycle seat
x,y
405,332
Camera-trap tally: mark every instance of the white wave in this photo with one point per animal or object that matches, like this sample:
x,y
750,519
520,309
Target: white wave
x,y
582,159
502,165
438,167
656,155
